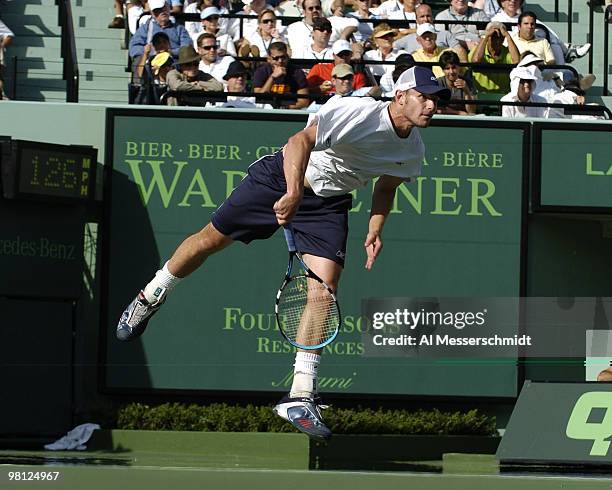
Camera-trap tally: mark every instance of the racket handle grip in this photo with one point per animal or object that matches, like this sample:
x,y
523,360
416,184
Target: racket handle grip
x,y
288,229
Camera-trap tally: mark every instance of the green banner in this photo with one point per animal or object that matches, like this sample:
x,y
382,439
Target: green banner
x,y
572,172
560,422
454,232
41,249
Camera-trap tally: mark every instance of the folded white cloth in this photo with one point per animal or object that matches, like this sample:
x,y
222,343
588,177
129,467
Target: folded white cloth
x,y
75,439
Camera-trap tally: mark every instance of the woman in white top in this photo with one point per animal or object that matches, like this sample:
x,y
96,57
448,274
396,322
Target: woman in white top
x,y
266,32
406,13
365,29
383,37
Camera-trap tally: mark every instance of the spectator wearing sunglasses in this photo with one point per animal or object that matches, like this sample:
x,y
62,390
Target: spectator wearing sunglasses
x,y
318,48
383,37
277,76
320,76
187,78
343,77
249,26
258,43
210,24
299,33
211,62
160,22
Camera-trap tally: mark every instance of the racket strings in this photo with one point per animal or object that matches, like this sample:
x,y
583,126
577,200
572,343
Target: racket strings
x,y
308,313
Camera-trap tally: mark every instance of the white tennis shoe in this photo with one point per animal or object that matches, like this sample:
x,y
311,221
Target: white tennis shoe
x,y
305,415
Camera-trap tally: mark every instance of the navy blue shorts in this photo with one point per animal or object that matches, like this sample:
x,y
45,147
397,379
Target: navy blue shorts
x,y
320,225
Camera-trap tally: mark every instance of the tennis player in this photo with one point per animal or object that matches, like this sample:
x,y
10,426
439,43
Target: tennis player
x,y
349,142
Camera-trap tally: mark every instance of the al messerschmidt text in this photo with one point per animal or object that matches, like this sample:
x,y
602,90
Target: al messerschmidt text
x,y
448,340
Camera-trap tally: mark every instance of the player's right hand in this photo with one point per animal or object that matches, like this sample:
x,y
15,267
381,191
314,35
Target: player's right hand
x,y
286,207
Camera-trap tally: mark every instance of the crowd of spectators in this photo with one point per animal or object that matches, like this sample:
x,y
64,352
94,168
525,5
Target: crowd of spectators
x,y
333,51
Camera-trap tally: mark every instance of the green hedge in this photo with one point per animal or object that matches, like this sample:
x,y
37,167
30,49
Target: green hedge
x,y
230,418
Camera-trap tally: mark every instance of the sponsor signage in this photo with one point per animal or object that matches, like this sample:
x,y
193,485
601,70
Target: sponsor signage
x,y
560,423
455,231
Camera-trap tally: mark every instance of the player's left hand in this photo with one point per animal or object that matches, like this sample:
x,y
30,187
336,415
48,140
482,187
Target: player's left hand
x,y
373,245
286,207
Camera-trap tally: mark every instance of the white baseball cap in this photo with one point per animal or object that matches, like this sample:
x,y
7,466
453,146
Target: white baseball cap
x,y
208,11
341,45
427,27
156,4
422,80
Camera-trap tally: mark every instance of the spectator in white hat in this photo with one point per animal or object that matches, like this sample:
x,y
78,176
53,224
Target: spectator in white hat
x,y
320,76
430,51
195,28
210,23
522,86
343,76
160,22
444,39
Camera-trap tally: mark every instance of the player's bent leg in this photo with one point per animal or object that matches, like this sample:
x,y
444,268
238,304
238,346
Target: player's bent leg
x,y
302,406
328,270
190,255
194,250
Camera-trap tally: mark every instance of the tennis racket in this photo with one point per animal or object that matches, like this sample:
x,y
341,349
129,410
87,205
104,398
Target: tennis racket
x,y
307,311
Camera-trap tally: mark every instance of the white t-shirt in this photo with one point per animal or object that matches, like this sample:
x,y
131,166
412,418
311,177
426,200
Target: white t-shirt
x,y
308,53
523,111
298,36
388,7
376,55
355,143
403,15
339,24
218,69
255,39
224,41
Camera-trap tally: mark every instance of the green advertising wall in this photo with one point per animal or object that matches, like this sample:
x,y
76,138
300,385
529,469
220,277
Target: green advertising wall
x,y
573,167
455,232
560,423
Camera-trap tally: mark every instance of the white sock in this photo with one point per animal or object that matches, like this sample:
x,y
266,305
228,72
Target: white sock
x,y
162,280
305,375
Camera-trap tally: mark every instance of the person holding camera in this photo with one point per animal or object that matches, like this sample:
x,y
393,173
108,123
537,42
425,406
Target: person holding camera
x,y
491,50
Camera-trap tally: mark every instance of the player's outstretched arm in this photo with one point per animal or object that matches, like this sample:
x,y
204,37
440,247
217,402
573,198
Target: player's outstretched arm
x,y
296,154
382,201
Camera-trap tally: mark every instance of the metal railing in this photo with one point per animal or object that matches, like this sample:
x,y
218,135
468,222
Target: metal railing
x,y
277,99
607,22
570,14
286,20
68,48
